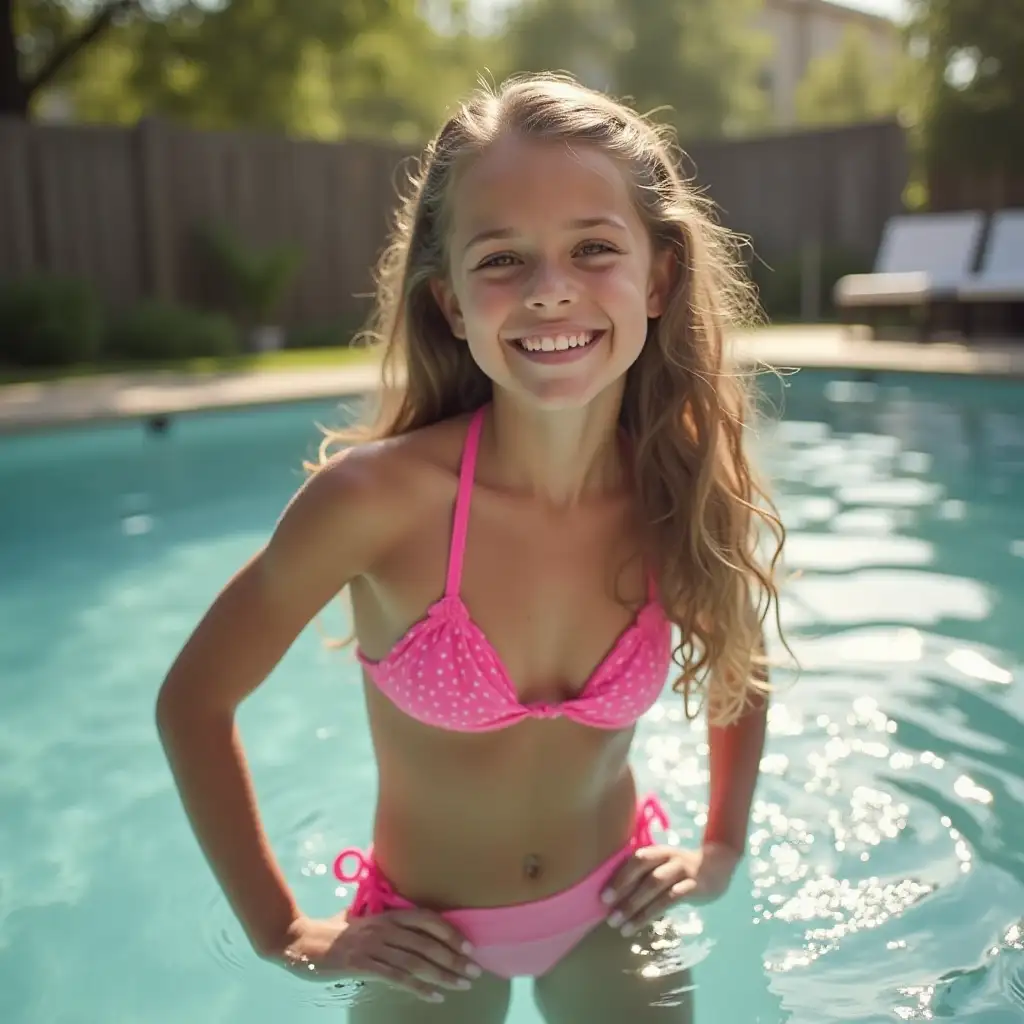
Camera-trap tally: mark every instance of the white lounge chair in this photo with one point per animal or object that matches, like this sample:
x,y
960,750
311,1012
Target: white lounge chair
x,y
1001,276
922,259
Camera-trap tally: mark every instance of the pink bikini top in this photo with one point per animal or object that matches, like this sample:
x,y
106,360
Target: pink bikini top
x,y
444,672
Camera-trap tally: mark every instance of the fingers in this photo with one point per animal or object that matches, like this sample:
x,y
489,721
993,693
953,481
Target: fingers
x,y
635,873
422,953
653,910
632,871
644,887
403,980
434,925
433,956
413,965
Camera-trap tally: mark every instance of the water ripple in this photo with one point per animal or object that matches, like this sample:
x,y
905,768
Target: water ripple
x,y
958,993
836,908
223,938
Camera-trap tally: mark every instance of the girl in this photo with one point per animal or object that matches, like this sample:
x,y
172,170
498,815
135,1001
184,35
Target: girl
x,y
557,483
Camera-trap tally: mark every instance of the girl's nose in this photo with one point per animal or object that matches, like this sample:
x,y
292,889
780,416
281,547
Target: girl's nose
x,y
550,289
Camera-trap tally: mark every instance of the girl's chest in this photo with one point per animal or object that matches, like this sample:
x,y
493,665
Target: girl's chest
x,y
552,592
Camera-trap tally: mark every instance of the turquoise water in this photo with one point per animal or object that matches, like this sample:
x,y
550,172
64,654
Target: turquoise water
x,y
886,874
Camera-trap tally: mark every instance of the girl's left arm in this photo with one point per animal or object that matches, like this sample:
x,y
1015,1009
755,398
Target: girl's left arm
x,y
735,760
656,877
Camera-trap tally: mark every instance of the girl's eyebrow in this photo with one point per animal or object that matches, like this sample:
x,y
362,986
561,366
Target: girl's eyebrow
x,y
497,234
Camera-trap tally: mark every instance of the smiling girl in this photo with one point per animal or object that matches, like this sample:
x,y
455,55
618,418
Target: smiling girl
x,y
553,515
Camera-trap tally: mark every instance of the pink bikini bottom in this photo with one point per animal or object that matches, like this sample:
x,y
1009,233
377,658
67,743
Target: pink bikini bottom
x,y
524,939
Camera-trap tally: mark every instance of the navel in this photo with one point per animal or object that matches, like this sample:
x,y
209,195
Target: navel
x,y
532,866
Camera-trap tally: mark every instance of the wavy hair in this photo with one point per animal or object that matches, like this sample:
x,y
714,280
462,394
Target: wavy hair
x,y
703,512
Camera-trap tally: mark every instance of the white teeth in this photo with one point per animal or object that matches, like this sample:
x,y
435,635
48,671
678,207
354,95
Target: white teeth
x,y
554,342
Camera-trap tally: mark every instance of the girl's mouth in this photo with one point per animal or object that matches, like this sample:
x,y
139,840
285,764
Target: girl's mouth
x,y
559,347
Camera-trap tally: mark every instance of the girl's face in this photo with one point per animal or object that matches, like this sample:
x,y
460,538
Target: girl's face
x,y
552,274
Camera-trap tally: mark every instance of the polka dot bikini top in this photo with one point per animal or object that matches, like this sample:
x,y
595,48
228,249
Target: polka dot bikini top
x,y
445,673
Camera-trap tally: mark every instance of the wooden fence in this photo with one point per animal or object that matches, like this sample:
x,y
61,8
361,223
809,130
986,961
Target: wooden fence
x,y
120,206
954,189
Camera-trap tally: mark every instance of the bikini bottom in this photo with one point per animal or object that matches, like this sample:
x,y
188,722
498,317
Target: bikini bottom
x,y
522,939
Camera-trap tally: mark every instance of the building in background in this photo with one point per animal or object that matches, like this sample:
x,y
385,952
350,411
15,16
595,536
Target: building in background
x,y
801,30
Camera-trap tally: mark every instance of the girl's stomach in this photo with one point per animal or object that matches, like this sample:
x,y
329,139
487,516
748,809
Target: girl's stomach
x,y
491,819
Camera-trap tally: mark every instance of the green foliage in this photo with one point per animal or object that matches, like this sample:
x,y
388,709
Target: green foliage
x,y
564,35
236,64
49,321
97,83
973,116
40,26
255,280
396,80
338,334
153,330
848,85
42,41
697,59
317,69
700,57
780,284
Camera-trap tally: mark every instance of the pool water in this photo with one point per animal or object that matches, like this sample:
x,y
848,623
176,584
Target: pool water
x,y
885,879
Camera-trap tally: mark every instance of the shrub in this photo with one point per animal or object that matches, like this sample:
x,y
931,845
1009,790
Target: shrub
x,y
158,330
335,334
256,280
49,321
780,285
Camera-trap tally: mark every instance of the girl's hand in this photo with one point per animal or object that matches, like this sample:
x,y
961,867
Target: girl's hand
x,y
656,877
415,950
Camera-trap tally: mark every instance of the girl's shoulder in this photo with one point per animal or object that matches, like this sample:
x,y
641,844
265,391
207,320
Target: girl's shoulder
x,y
401,465
367,498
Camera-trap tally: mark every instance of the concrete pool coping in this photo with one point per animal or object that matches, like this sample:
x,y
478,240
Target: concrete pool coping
x,y
106,398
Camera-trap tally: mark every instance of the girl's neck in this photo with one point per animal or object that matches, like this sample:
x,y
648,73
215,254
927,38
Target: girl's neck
x,y
560,457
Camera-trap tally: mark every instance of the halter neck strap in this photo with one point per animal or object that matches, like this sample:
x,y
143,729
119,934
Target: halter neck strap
x,y
460,526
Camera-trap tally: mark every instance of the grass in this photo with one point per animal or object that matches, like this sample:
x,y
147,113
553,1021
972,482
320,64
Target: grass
x,y
286,359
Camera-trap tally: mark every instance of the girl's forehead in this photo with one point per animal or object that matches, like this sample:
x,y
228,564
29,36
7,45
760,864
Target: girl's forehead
x,y
516,183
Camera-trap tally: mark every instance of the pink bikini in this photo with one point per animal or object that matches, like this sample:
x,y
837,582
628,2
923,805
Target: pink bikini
x,y
443,672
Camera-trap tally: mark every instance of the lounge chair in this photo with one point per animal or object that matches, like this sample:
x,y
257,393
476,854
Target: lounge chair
x,y
923,260
1001,275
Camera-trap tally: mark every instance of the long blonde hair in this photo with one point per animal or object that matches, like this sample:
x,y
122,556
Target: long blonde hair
x,y
684,414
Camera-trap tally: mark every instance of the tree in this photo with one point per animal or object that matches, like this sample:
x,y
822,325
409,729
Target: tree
x,y
697,59
848,85
701,57
563,35
236,65
973,116
399,79
40,39
319,69
228,64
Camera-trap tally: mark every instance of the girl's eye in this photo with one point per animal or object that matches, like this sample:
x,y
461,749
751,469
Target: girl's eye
x,y
504,260
596,249
499,260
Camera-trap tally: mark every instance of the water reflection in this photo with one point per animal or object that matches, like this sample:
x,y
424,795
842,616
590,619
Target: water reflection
x,y
893,786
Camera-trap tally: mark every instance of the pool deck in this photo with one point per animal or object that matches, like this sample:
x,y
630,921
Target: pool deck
x,y
63,403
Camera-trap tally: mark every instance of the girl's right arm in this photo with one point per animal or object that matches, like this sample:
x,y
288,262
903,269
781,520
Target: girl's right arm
x,y
337,526
326,537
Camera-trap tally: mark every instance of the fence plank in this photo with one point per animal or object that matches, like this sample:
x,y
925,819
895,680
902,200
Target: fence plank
x,y
89,210
17,234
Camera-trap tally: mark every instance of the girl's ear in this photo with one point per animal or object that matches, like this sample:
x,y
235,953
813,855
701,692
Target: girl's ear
x,y
444,296
661,280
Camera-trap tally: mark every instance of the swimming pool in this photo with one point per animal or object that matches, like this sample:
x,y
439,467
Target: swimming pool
x,y
886,874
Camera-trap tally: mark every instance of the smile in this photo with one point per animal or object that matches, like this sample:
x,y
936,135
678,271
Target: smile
x,y
556,347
